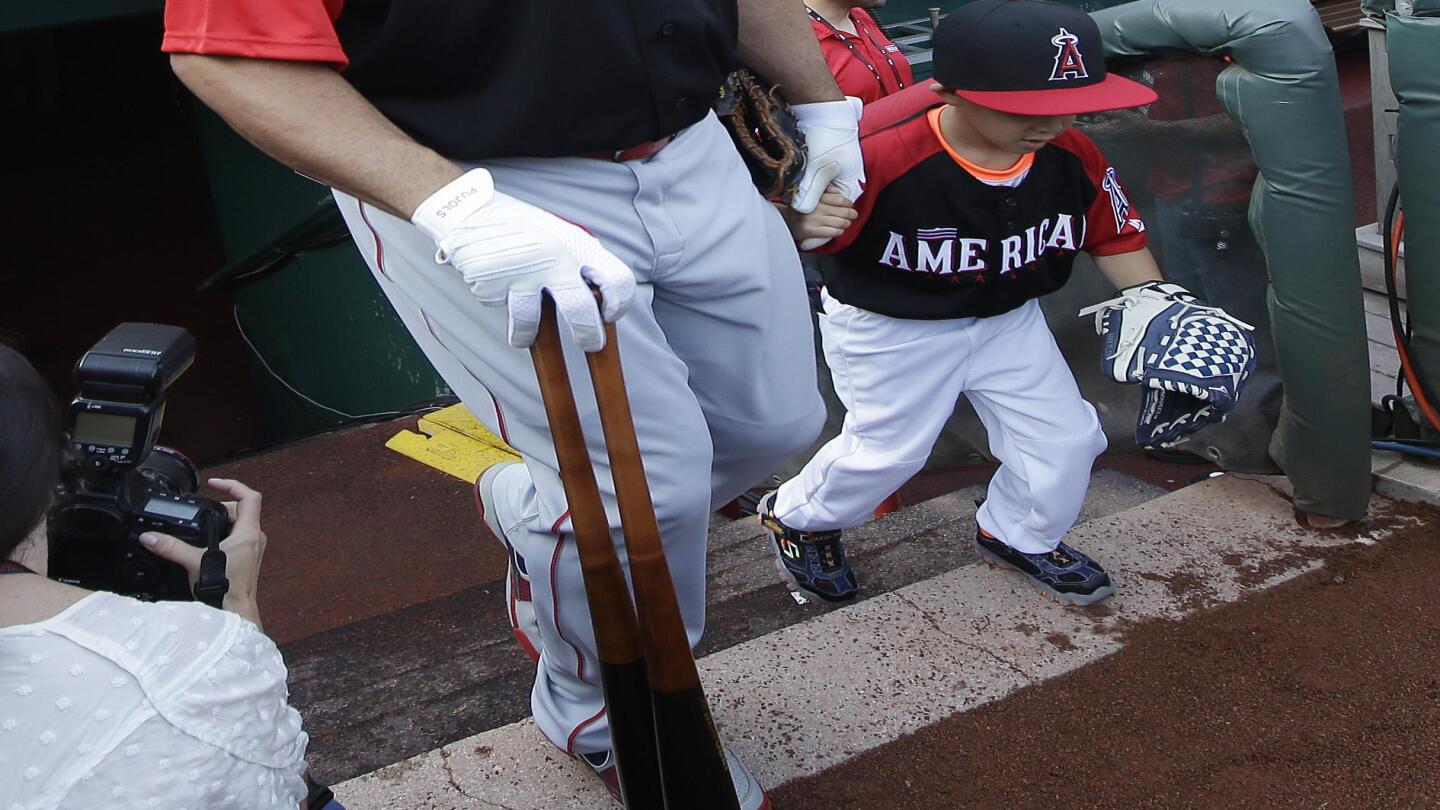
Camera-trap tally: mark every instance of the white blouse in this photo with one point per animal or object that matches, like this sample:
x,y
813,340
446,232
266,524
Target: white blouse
x,y
118,703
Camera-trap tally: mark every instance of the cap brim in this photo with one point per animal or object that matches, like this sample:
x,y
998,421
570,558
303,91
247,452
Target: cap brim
x,y
1114,93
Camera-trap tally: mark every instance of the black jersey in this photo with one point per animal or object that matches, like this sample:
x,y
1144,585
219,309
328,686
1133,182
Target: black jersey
x,y
934,240
476,79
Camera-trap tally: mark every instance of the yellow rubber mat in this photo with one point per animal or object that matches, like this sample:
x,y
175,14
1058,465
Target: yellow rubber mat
x,y
454,442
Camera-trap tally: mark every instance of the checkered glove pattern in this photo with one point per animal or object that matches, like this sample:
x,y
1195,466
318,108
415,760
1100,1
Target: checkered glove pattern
x,y
1191,358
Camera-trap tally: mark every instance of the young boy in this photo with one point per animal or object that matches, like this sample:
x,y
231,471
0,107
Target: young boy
x,y
979,196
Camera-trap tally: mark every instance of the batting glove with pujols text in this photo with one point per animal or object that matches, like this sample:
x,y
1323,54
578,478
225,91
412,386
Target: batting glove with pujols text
x,y
1191,358
832,154
509,252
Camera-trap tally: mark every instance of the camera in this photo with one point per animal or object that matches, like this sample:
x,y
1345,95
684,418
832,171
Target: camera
x,y
122,485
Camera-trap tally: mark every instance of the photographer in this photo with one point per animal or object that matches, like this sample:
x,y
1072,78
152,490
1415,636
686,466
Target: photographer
x,y
117,703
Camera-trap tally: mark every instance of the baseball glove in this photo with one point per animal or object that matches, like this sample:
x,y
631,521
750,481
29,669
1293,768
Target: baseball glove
x,y
1192,359
764,130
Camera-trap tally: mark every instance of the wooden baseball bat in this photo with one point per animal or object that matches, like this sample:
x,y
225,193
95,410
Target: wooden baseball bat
x,y
692,764
617,639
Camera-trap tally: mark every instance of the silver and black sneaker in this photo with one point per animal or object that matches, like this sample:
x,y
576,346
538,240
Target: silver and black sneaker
x,y
1063,574
811,561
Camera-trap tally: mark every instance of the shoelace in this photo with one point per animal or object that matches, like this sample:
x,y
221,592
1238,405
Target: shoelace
x,y
1061,559
829,558
1131,300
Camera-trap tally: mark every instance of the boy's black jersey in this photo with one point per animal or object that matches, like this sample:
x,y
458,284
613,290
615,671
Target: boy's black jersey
x,y
935,241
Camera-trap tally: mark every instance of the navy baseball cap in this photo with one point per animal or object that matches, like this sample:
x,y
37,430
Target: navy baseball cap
x,y
1030,57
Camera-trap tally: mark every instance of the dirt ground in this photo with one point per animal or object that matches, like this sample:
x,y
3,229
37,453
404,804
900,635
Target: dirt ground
x,y
1322,692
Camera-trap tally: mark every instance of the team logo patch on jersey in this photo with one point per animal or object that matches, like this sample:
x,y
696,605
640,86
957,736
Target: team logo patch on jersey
x,y
1069,64
1120,204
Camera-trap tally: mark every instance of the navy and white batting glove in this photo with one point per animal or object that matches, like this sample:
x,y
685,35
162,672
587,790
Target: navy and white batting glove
x,y
832,153
509,252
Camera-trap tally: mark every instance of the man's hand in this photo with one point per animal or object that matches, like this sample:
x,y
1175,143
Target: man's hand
x,y
510,252
832,151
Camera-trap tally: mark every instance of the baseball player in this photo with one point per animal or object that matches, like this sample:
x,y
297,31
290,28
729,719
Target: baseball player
x,y
865,63
980,194
483,152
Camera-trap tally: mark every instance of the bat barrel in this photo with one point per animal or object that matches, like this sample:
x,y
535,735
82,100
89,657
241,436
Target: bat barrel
x,y
692,764
617,639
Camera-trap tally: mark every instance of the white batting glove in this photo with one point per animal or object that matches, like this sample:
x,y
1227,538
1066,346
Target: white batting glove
x,y
832,151
509,252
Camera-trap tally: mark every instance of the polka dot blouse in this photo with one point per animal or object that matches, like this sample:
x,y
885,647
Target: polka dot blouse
x,y
117,703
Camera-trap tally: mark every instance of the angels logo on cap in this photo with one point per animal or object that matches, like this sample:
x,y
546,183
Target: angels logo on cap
x,y
1029,57
1069,64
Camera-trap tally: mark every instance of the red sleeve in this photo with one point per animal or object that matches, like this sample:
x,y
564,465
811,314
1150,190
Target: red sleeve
x,y
292,30
1113,224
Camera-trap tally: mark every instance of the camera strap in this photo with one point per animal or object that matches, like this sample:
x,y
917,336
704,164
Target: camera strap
x,y
212,584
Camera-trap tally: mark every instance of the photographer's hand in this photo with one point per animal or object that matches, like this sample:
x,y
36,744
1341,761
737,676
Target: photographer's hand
x,y
244,548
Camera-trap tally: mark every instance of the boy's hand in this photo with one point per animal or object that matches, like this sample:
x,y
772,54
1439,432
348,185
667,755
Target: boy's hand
x,y
831,217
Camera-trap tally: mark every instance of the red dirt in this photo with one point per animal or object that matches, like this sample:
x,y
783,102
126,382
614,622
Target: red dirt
x,y
358,531
1322,692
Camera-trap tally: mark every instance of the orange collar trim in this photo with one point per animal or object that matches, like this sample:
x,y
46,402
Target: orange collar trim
x,y
979,172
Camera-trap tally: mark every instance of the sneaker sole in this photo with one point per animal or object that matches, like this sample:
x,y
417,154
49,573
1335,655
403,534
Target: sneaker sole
x,y
520,612
990,559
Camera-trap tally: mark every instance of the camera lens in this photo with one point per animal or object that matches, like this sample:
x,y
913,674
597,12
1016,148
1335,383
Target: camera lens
x,y
169,471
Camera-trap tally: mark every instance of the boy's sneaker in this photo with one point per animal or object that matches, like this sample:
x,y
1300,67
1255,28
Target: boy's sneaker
x,y
1064,574
518,606
747,790
813,561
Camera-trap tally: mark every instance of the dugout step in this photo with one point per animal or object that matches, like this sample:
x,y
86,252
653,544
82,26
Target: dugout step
x,y
898,661
448,668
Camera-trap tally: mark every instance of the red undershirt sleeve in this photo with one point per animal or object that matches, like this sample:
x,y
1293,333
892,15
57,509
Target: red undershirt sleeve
x,y
292,30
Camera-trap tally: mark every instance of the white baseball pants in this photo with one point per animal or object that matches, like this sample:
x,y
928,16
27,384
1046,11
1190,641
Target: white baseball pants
x,y
899,380
718,358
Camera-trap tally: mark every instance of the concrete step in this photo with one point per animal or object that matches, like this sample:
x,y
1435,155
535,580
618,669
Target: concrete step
x,y
384,689
812,694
